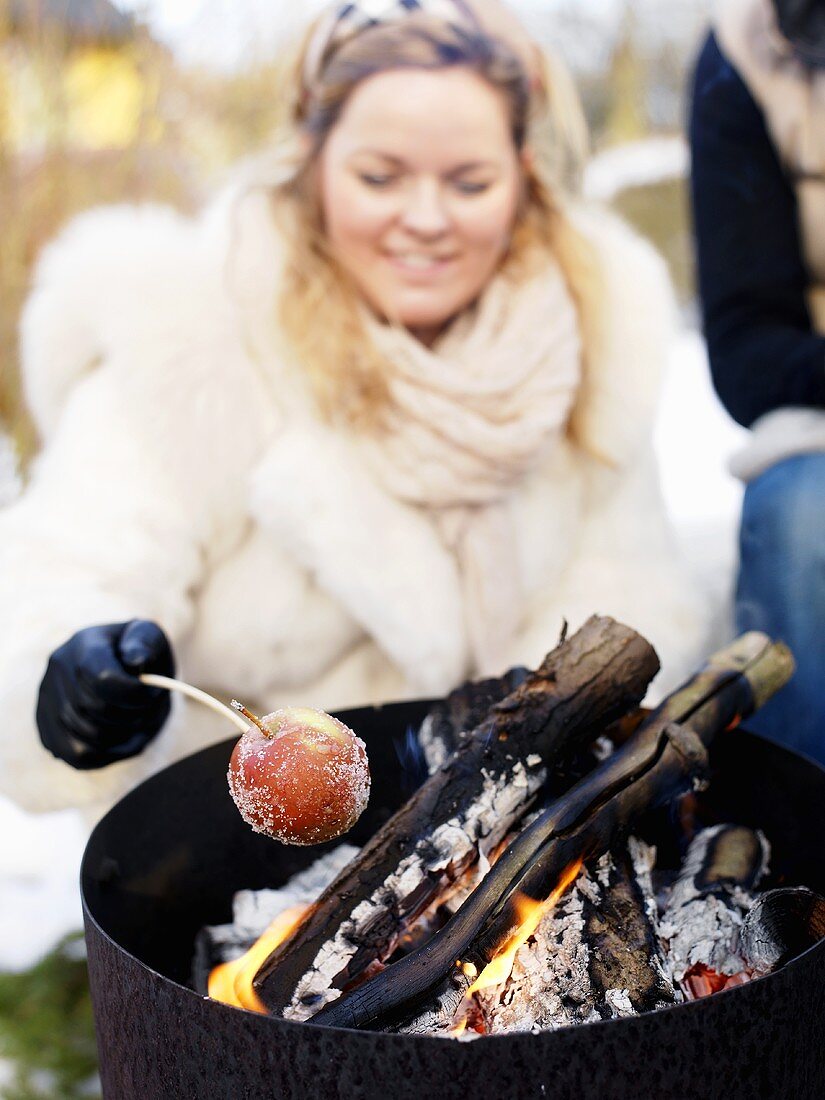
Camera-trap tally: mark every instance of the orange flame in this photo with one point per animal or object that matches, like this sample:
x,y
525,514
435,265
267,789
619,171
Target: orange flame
x,y
459,1028
232,982
530,913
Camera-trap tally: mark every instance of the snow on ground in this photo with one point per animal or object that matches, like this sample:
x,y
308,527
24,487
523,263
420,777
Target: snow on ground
x,y
40,855
636,164
6,1074
39,868
694,439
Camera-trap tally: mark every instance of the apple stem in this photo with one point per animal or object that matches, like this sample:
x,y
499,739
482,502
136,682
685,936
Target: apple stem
x,y
252,717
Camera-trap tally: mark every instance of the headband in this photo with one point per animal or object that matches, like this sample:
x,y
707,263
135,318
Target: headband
x,y
343,22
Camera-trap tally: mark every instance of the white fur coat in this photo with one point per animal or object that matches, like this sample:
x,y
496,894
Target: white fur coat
x,y
185,478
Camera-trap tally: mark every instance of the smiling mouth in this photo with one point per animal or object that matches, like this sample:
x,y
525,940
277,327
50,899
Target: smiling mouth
x,y
418,261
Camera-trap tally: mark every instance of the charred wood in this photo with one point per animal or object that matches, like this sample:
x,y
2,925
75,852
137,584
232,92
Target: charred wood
x,y
628,968
549,985
596,955
460,814
780,925
661,760
708,902
462,711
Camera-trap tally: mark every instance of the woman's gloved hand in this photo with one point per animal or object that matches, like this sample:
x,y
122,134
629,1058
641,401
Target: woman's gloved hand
x,y
92,709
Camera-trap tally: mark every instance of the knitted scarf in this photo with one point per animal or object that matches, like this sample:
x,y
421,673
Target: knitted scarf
x,y
469,420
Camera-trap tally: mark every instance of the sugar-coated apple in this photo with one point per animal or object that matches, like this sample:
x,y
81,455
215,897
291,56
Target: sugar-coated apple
x,y
299,775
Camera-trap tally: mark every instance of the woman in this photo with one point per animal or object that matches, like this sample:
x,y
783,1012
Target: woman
x,y
374,423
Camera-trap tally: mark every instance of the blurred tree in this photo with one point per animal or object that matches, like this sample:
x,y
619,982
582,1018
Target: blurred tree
x,y
627,118
660,212
80,85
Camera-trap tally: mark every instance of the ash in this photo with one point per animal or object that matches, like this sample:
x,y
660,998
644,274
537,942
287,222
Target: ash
x,y
702,919
556,981
254,910
549,985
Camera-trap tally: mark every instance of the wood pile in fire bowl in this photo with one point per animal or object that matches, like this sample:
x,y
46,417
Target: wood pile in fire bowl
x,y
551,868
548,787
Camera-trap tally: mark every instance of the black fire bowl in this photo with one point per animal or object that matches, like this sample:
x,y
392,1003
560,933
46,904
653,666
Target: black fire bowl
x,y
168,858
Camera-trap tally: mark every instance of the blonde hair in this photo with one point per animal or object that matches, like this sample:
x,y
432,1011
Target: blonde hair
x,y
346,371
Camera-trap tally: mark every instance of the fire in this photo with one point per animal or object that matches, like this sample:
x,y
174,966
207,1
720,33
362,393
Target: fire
x,y
530,913
231,982
459,1028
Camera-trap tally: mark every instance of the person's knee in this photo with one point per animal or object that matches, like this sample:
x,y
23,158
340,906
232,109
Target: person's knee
x,y
781,590
783,515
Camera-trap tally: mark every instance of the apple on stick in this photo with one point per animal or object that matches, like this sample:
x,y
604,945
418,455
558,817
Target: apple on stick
x,y
299,775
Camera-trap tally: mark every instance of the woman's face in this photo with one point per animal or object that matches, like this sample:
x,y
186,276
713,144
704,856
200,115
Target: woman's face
x,y
419,186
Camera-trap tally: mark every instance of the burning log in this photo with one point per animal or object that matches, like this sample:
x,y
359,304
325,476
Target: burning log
x,y
707,906
463,709
628,970
780,925
594,955
665,757
459,815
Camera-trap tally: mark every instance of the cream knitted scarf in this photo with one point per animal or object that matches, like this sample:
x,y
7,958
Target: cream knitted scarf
x,y
469,420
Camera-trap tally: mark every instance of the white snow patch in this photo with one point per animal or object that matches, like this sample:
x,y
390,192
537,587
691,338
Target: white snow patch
x,y
636,164
694,439
39,868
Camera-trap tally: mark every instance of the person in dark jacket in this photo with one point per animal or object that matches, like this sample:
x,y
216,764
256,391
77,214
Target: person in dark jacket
x,y
757,134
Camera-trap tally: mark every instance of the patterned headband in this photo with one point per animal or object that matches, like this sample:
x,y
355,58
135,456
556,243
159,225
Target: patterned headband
x,y
344,21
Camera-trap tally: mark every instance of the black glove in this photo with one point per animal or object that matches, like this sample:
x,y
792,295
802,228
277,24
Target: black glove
x,y
92,709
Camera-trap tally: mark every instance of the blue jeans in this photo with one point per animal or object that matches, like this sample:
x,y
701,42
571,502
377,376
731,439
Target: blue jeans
x,y
781,590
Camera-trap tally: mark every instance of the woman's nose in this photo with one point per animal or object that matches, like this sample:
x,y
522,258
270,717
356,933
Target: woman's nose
x,y
425,211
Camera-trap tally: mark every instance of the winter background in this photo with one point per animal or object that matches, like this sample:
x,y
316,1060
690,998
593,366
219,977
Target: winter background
x,y
211,61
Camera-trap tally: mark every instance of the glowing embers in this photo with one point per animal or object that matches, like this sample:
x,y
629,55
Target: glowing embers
x,y
701,981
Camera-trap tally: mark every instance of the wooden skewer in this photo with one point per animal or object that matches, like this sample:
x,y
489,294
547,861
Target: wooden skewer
x,y
153,680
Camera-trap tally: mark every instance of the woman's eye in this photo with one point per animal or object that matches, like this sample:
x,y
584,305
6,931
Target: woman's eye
x,y
376,179
466,187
